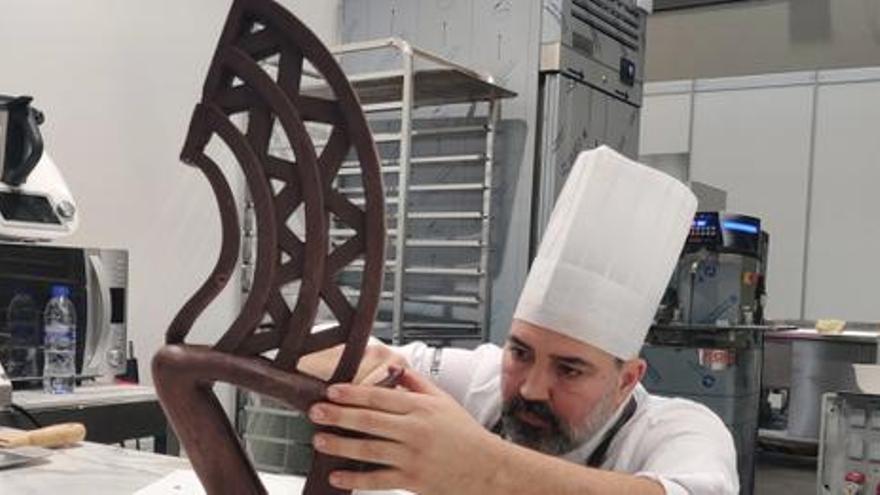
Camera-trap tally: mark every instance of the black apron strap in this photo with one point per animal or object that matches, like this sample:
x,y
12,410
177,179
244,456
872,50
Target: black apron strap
x,y
498,429
597,458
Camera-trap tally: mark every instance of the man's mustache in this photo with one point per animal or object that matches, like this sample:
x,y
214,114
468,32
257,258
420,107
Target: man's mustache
x,y
540,409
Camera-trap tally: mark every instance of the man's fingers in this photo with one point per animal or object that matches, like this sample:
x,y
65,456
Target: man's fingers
x,y
383,479
372,450
375,376
371,397
415,382
377,423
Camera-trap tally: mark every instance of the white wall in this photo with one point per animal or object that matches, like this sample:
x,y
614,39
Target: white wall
x,y
117,81
754,144
762,36
843,270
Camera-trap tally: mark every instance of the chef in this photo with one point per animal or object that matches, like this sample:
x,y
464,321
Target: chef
x,y
560,408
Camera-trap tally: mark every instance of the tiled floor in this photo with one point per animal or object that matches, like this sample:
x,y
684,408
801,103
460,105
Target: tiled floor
x,y
777,474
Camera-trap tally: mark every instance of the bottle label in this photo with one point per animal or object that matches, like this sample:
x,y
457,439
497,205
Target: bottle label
x,y
58,328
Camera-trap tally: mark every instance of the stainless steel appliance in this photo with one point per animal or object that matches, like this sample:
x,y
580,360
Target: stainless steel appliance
x,y
708,345
849,447
800,366
35,203
720,278
591,76
719,367
98,280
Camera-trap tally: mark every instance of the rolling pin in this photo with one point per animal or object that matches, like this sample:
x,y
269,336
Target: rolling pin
x,y
51,436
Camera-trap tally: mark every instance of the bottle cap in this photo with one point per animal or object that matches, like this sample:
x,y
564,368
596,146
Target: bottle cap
x,y
60,290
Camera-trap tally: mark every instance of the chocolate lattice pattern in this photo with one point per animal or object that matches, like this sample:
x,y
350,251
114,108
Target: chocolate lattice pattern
x,y
257,31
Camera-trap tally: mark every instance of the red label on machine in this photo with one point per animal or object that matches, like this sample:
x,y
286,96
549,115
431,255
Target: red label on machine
x,y
854,483
717,359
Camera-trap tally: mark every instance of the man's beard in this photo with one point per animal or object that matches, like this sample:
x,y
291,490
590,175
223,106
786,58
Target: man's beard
x,y
557,437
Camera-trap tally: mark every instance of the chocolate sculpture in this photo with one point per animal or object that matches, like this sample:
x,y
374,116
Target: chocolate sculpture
x,y
255,31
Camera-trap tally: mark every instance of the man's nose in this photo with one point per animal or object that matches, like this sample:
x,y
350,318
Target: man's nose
x,y
536,386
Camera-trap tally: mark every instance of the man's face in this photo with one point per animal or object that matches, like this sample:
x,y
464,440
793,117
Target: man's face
x,y
557,392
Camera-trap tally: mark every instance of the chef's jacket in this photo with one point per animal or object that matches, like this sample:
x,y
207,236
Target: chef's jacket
x,y
681,444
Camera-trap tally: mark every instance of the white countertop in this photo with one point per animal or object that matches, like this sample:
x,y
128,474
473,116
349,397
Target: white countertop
x,y
89,395
95,469
866,336
89,469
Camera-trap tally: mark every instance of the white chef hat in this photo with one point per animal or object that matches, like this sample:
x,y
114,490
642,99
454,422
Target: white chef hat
x,y
609,249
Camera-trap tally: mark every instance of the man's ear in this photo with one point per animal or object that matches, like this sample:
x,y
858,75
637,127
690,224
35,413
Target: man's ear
x,y
631,373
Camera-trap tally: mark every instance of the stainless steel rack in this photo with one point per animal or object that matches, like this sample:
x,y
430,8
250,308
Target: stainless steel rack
x,y
434,128
438,262
434,124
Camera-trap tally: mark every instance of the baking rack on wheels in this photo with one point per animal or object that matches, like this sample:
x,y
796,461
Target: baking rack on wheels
x,y
435,126
434,123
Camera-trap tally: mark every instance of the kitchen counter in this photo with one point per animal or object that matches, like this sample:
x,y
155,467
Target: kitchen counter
x,y
94,469
868,336
112,413
800,365
89,469
85,396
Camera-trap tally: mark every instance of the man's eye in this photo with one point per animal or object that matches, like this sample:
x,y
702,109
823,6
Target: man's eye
x,y
519,353
570,372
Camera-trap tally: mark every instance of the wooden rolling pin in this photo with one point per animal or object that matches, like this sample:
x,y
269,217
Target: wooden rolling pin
x,y
51,436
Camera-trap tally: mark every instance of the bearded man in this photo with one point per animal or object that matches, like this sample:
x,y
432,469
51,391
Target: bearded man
x,y
560,408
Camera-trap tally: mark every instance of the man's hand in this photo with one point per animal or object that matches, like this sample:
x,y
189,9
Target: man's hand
x,y
430,444
378,359
374,364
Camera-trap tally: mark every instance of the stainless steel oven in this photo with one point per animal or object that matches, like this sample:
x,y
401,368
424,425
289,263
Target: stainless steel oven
x,y
98,281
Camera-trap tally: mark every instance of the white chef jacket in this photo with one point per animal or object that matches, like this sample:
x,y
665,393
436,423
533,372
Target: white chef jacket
x,y
681,444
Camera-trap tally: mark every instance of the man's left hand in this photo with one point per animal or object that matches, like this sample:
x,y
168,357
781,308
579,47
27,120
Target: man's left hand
x,y
428,442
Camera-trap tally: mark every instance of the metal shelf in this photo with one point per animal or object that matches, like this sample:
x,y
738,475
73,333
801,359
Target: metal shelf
x,y
416,325
443,84
392,165
443,243
470,300
416,243
430,270
448,83
446,215
357,266
479,186
421,298
457,167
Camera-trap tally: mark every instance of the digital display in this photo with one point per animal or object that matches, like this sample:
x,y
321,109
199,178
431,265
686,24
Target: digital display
x,y
704,229
746,228
725,232
27,208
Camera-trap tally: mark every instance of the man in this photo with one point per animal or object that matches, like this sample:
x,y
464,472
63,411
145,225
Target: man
x,y
559,409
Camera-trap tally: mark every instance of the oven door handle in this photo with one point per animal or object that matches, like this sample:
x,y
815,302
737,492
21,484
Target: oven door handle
x,y
97,341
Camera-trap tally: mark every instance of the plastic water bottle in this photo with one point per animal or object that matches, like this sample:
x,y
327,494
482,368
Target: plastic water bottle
x,y
22,322
59,366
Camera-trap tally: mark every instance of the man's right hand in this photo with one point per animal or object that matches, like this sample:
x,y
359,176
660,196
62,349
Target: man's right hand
x,y
378,359
373,368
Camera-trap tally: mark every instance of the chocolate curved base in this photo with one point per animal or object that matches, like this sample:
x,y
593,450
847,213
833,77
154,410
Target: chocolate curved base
x,y
185,375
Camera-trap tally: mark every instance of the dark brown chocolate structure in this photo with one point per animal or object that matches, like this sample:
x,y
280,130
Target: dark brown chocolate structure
x,y
256,31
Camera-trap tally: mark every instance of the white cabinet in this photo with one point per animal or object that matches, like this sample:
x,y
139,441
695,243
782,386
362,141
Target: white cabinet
x,y
755,144
843,273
